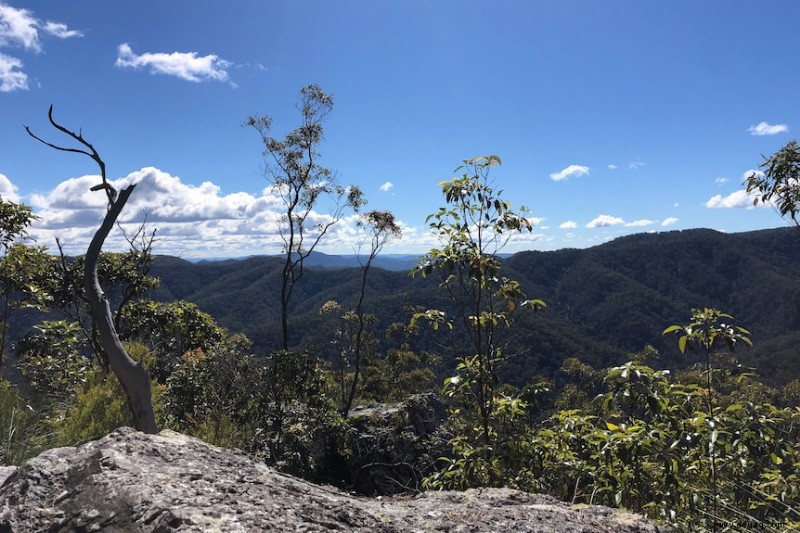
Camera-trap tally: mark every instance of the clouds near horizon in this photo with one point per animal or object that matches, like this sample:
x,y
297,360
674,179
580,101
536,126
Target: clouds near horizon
x,y
602,221
737,199
203,221
669,221
192,220
639,223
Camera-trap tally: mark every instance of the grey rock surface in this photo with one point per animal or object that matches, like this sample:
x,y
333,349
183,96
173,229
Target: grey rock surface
x,y
129,481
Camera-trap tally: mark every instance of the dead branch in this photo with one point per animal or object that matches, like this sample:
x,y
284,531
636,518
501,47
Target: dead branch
x,y
111,193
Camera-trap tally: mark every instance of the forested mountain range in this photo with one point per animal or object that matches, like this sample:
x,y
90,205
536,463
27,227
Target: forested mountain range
x,y
603,303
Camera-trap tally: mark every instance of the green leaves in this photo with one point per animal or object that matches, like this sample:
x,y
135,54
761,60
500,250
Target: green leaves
x,y
779,183
473,227
14,221
49,359
708,329
655,460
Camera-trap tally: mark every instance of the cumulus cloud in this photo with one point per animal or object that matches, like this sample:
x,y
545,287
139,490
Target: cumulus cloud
x,y
721,181
569,224
8,191
764,128
669,221
633,165
570,171
386,187
19,28
184,65
603,221
11,78
612,166
200,220
639,223
737,199
192,220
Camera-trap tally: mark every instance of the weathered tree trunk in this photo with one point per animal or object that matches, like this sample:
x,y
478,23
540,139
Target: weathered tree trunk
x,y
131,375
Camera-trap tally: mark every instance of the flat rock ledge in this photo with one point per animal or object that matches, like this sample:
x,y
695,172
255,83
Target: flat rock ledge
x,y
129,481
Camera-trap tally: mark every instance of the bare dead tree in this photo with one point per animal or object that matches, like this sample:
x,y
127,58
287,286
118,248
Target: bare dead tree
x,y
131,375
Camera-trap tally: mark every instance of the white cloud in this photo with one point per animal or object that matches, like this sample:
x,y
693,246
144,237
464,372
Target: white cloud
x,y
12,79
192,220
386,187
60,30
669,221
19,28
570,171
8,191
763,128
721,181
185,65
603,221
633,165
639,223
737,199
676,204
569,224
612,166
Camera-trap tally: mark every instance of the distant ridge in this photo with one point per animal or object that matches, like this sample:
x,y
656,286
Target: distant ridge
x,y
603,303
322,260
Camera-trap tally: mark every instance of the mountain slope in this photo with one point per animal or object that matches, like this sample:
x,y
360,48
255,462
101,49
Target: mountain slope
x,y
603,302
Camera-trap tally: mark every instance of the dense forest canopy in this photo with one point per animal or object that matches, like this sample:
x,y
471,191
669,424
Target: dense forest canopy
x,y
650,279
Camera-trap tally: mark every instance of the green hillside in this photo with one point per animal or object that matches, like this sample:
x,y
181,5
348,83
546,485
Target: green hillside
x,y
603,302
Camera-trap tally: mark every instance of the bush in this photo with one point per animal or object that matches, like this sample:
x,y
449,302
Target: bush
x,y
98,409
23,431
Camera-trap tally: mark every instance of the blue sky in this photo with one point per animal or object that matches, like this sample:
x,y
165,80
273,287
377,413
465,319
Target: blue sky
x,y
611,118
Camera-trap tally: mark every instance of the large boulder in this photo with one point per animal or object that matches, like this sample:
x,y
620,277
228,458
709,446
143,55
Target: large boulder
x,y
390,446
130,481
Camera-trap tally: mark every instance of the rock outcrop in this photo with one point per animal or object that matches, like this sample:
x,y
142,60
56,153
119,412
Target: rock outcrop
x,y
391,445
130,481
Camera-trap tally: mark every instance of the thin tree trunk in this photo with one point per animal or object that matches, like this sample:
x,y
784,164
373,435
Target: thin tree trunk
x,y
131,375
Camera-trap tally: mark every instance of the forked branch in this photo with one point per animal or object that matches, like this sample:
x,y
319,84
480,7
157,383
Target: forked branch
x,y
131,375
90,151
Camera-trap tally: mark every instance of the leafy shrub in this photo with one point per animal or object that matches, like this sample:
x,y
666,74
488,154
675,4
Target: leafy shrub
x,y
98,409
50,362
648,451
